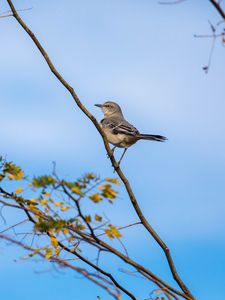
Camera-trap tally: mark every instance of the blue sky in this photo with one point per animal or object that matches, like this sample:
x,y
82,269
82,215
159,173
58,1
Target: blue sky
x,y
143,56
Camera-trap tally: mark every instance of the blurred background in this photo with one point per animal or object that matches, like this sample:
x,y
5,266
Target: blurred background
x,y
143,56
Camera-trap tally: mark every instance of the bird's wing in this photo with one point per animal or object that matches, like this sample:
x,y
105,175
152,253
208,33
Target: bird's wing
x,y
119,126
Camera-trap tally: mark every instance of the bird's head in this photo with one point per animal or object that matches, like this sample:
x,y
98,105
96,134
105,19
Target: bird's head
x,y
110,108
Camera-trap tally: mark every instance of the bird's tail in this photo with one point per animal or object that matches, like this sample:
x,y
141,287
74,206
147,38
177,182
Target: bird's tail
x,y
152,137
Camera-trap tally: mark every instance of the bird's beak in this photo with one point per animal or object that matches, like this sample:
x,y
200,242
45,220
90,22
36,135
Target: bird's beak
x,y
98,105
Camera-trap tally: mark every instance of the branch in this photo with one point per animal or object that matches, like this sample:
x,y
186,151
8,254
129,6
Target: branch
x,y
218,8
109,152
97,268
66,264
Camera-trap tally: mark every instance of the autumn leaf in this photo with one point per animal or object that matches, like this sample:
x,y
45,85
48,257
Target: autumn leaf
x,y
48,253
112,232
54,241
98,218
33,201
46,194
96,198
65,231
76,190
64,208
107,191
113,180
13,171
43,181
44,202
88,219
57,251
19,190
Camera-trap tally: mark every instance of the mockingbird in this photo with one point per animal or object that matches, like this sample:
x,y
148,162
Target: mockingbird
x,y
118,131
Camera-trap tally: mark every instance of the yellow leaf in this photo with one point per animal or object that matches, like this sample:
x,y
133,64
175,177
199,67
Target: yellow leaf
x,y
64,208
65,231
33,200
96,198
105,186
112,232
44,202
46,194
11,177
77,191
57,203
112,180
88,219
19,190
36,250
48,253
115,231
57,251
54,241
98,218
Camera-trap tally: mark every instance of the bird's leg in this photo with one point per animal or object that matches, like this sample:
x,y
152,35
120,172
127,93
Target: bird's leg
x,y
122,156
113,149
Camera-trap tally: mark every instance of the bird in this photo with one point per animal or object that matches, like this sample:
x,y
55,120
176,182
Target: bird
x,y
118,131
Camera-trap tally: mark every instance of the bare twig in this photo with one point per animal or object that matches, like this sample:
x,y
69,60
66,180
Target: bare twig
x,y
171,2
9,13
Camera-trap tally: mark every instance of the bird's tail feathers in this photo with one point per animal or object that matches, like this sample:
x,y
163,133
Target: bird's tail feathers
x,y
152,137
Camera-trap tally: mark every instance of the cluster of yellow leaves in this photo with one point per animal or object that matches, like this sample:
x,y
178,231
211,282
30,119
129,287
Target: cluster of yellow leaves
x,y
43,181
13,171
45,202
112,232
107,191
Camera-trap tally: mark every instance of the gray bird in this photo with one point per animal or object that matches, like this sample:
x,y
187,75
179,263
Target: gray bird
x,y
118,131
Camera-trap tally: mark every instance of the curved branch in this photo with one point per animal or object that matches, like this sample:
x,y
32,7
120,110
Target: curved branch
x,y
109,152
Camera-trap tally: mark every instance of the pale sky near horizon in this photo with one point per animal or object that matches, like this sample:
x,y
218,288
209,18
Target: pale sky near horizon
x,y
143,56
